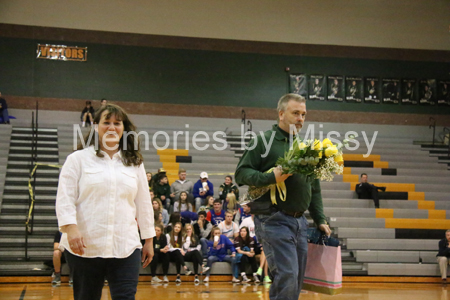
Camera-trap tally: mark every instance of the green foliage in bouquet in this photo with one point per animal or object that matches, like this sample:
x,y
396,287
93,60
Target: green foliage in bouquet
x,y
315,159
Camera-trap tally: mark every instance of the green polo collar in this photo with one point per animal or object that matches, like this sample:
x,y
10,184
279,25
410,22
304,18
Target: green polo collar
x,y
280,134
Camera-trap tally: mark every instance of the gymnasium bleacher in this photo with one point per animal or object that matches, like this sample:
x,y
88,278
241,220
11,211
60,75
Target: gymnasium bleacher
x,y
400,238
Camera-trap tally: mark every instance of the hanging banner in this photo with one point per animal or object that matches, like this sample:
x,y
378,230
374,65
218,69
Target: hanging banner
x,y
335,88
391,90
354,89
297,84
409,91
427,91
371,90
443,92
317,85
61,52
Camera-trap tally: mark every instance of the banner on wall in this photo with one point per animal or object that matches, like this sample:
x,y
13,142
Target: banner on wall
x,y
353,89
335,91
443,92
391,90
297,84
371,90
317,86
427,91
409,91
61,52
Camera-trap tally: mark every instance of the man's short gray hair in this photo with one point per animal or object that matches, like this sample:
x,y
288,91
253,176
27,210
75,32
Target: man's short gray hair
x,y
447,231
282,103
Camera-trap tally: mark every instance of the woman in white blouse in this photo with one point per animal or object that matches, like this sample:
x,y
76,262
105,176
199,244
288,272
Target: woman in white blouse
x,y
102,198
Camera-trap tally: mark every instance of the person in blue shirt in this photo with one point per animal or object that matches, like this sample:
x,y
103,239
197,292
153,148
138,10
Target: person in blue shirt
x,y
243,213
202,189
218,251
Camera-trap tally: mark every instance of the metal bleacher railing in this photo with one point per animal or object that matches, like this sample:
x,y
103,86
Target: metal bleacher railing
x,y
433,125
248,126
32,180
446,139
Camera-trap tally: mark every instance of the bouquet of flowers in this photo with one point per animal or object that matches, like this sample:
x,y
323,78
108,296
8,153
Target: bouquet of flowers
x,y
313,158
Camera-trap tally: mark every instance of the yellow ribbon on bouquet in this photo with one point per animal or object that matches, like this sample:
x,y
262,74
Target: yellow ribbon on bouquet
x,y
280,186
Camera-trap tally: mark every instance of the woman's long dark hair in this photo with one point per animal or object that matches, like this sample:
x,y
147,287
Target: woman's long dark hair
x,y
174,218
132,155
244,242
179,201
179,236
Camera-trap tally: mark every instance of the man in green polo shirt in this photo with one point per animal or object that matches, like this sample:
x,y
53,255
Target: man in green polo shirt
x,y
282,228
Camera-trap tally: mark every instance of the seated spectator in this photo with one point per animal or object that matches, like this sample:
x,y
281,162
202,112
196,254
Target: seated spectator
x,y
182,204
229,228
156,177
157,206
366,190
263,266
202,188
219,245
103,102
87,115
209,204
443,256
162,191
230,204
150,181
228,187
202,227
160,219
245,246
176,252
58,259
160,250
182,185
243,213
192,248
4,110
216,215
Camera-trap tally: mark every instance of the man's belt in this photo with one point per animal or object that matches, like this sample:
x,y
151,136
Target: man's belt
x,y
295,214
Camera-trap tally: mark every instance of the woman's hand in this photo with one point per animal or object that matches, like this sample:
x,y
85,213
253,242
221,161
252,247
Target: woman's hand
x,y
250,254
147,253
182,252
74,238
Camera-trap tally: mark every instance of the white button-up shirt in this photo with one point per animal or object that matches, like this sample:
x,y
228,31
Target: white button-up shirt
x,y
104,198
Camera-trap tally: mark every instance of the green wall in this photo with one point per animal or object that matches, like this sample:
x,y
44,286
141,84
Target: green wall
x,y
130,73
